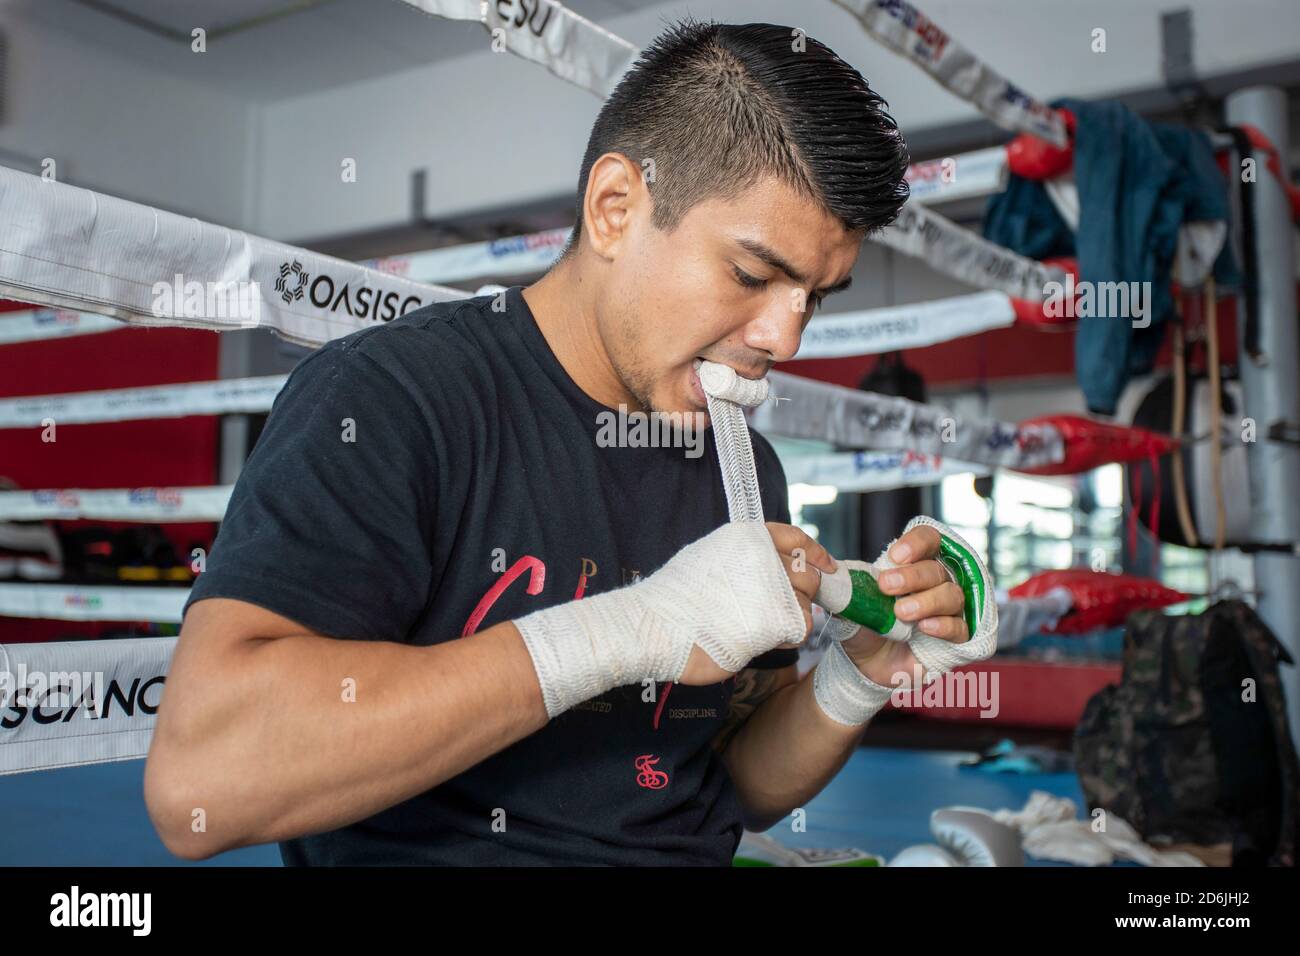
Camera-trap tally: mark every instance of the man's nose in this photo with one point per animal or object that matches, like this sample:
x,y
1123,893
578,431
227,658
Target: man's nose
x,y
777,328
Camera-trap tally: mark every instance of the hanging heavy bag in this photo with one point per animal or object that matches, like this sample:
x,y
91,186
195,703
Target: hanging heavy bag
x,y
1193,746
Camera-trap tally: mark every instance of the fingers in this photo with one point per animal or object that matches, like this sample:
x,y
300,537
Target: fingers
x,y
951,629
806,579
913,577
790,540
938,611
918,544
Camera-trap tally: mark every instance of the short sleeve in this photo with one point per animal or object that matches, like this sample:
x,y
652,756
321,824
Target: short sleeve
x,y
776,506
330,520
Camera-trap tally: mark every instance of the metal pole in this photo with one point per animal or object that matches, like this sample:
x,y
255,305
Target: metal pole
x,y
1271,387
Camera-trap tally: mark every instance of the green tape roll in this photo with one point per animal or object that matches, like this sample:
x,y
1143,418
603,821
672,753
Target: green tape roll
x,y
872,608
869,606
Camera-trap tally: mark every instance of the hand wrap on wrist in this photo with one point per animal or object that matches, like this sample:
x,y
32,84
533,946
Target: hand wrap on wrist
x,y
842,691
727,592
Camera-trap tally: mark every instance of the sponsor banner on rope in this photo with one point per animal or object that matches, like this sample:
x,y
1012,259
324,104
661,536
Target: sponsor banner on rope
x,y
855,419
907,31
52,716
905,326
948,248
118,504
152,401
34,325
72,602
67,247
979,173
873,470
517,255
570,46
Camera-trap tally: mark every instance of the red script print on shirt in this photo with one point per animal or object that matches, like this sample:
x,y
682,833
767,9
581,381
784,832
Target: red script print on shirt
x,y
647,775
536,580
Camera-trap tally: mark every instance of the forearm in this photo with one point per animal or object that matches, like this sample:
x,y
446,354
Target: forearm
x,y
786,753
305,734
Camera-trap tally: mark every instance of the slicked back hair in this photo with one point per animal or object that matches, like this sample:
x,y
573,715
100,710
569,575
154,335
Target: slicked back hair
x,y
710,109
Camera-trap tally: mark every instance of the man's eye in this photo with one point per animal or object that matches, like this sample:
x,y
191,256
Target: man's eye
x,y
747,280
817,302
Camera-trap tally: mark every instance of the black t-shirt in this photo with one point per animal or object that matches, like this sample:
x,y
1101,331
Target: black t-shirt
x,y
428,478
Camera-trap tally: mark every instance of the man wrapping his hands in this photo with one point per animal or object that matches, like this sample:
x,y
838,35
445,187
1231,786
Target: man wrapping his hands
x,y
474,630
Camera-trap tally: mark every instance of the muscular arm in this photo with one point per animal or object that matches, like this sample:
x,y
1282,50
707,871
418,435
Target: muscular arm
x,y
273,731
779,747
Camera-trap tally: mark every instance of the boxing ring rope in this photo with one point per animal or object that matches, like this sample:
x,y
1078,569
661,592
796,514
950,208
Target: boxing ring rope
x,y
308,299
904,29
36,325
221,397
148,504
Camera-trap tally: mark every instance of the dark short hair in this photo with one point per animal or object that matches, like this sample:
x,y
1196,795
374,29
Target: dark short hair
x,y
716,107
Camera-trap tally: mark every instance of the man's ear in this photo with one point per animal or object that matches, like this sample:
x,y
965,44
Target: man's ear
x,y
616,194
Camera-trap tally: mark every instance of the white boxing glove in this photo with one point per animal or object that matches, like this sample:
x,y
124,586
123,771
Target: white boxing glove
x,y
976,838
925,854
728,592
968,836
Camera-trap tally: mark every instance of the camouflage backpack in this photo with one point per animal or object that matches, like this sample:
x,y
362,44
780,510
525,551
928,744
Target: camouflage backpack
x,y
1193,746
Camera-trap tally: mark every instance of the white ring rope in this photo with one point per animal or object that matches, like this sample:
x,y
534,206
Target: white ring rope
x,y
861,471
804,408
153,504
907,31
224,396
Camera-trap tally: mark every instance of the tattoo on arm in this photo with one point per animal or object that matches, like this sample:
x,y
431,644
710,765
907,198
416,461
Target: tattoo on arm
x,y
753,686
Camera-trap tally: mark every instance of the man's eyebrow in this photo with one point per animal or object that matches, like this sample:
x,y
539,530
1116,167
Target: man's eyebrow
x,y
759,251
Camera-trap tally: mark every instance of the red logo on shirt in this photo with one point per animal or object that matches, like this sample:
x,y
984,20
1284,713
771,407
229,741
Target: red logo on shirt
x,y
648,776
536,569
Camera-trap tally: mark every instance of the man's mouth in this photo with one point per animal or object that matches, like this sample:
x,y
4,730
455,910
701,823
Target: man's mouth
x,y
697,390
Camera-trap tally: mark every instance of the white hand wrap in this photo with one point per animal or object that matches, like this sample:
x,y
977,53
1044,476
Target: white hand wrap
x,y
935,654
848,696
844,693
727,592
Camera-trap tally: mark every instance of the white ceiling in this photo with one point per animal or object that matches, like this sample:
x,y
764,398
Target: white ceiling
x,y
264,50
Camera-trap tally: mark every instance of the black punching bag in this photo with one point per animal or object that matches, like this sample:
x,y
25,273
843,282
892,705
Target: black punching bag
x,y
884,513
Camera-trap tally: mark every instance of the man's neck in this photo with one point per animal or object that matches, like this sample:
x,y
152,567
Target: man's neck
x,y
566,317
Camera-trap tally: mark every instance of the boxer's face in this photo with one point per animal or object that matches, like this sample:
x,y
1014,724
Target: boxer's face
x,y
735,283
